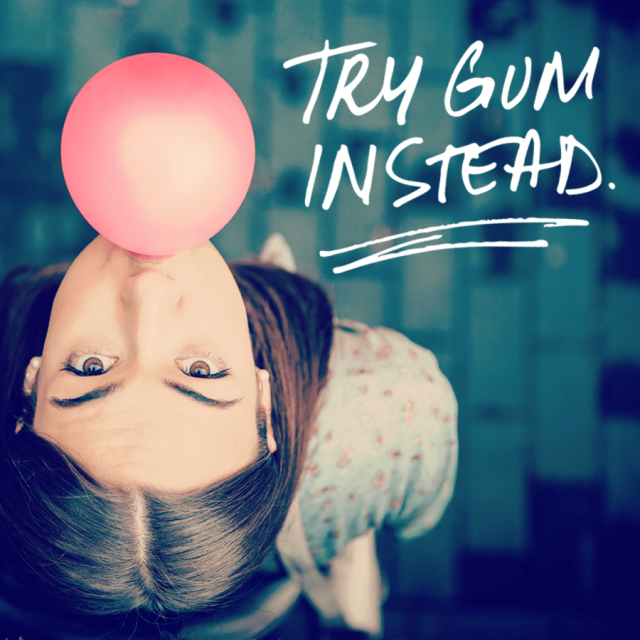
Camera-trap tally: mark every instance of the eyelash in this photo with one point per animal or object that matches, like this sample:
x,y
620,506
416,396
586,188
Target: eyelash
x,y
223,370
67,366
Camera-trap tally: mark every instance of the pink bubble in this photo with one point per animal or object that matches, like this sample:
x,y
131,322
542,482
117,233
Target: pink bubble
x,y
157,153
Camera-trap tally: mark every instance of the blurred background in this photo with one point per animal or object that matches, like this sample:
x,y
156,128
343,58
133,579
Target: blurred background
x,y
542,346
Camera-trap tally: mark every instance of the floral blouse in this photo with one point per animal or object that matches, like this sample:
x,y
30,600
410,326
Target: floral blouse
x,y
385,448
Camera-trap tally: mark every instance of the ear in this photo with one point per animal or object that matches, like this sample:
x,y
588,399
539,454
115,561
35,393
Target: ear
x,y
264,391
30,375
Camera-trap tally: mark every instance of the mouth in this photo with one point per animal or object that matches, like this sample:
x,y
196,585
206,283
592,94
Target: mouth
x,y
145,258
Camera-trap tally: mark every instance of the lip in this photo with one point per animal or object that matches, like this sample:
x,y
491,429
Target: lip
x,y
145,258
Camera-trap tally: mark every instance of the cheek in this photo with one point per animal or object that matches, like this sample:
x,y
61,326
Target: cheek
x,y
83,314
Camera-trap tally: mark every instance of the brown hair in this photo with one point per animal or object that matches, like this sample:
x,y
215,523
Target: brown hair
x,y
95,550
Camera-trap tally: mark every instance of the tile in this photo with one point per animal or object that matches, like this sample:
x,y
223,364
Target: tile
x,y
436,33
427,283
300,230
359,299
292,143
357,28
29,29
169,20
426,566
427,106
403,626
297,32
496,626
95,42
497,518
231,55
233,239
497,343
622,470
567,283
622,310
567,422
355,221
575,43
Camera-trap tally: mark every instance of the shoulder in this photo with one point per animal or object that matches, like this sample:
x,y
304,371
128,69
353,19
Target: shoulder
x,y
387,408
383,371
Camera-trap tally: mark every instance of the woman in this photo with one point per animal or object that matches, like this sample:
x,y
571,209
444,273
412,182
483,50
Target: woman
x,y
158,418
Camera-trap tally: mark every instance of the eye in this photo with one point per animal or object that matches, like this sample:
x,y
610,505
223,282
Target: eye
x,y
199,369
202,366
89,364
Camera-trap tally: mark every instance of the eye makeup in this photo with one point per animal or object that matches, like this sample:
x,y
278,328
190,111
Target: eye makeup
x,y
93,362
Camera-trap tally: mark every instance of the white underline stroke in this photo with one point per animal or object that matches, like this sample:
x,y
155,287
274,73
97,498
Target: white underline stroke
x,y
386,254
378,257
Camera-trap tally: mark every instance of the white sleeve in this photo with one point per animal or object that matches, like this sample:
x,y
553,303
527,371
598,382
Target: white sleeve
x,y
276,251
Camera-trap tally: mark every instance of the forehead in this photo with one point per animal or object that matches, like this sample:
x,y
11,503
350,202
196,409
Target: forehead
x,y
159,439
172,452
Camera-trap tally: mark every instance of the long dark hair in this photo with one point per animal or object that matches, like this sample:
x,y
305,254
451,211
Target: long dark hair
x,y
98,550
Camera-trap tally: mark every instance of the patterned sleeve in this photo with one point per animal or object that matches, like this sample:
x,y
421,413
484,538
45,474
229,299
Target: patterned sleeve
x,y
385,449
427,488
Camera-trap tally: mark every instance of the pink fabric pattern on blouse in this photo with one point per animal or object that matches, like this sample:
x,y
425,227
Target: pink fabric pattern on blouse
x,y
386,445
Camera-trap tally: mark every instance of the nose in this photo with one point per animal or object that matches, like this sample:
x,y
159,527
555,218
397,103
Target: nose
x,y
152,303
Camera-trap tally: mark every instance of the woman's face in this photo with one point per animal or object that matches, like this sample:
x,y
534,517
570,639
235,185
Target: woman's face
x,y
171,394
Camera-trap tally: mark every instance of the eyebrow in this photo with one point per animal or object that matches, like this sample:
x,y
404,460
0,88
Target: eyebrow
x,y
198,397
95,394
106,390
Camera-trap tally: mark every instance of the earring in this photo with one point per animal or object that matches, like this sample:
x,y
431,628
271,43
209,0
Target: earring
x,y
264,374
35,362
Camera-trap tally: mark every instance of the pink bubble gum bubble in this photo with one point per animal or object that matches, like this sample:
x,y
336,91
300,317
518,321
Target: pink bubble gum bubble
x,y
157,153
